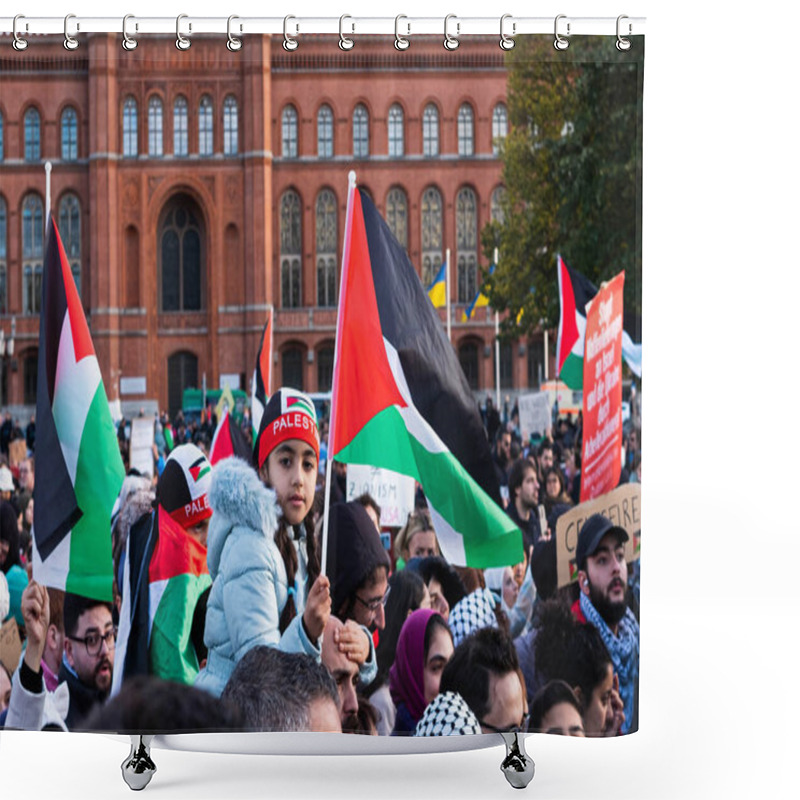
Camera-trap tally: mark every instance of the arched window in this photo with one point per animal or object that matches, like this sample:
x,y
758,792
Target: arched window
x,y
325,368
497,202
69,226
430,131
230,126
155,127
468,358
180,127
32,253
3,258
360,131
182,250
289,132
181,374
396,138
466,133
69,134
325,132
326,248
397,215
292,367
432,238
291,249
499,126
33,135
205,127
506,364
467,244
130,128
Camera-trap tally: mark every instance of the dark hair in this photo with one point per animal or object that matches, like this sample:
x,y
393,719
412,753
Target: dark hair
x,y
372,577
274,690
436,567
487,651
586,662
551,694
368,501
285,545
436,621
147,704
406,590
75,606
517,475
545,444
554,470
9,532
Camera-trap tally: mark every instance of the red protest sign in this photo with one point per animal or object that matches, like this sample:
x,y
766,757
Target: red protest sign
x,y
602,391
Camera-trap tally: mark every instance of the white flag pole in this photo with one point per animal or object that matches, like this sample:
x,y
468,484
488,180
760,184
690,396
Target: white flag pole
x,y
48,168
447,291
348,225
496,347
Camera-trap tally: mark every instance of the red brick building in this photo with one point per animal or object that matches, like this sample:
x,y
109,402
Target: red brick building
x,y
195,189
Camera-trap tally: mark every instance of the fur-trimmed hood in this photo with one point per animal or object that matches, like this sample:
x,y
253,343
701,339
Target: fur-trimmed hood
x,y
238,498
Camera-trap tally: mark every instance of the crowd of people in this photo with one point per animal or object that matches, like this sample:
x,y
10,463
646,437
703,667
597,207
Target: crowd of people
x,y
373,641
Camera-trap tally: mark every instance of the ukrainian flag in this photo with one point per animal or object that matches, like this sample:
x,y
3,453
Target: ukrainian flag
x,y
479,301
437,291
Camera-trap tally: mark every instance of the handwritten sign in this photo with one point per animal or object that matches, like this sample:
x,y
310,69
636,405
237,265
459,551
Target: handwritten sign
x,y
10,645
602,391
623,506
141,447
535,414
393,492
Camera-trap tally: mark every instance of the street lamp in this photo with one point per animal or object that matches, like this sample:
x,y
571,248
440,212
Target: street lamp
x,y
6,349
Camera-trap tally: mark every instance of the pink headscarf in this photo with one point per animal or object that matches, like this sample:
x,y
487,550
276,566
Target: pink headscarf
x,y
406,680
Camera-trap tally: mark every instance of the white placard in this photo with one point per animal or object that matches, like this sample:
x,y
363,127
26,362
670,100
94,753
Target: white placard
x,y
233,380
141,445
535,414
137,385
394,493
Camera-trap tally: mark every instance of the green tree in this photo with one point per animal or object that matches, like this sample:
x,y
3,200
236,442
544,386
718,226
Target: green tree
x,y
573,176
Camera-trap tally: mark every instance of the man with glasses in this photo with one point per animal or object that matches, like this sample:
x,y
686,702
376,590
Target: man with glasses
x,y
88,664
484,670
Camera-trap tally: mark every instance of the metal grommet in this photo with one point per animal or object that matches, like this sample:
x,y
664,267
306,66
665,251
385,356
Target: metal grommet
x,y
128,42
289,43
344,42
450,41
561,42
623,44
506,42
400,42
19,43
182,43
233,44
70,42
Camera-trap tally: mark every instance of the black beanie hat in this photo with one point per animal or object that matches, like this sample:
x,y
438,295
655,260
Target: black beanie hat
x,y
183,486
354,551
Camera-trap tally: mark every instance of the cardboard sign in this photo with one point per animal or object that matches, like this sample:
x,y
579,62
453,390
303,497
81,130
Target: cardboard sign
x,y
602,391
393,492
623,506
17,451
10,645
535,414
140,454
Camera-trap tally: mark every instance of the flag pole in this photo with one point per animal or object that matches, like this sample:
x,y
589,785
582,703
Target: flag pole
x,y
48,168
348,225
447,290
496,347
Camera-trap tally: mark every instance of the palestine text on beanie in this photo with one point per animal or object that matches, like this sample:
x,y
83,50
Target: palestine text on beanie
x,y
183,486
289,415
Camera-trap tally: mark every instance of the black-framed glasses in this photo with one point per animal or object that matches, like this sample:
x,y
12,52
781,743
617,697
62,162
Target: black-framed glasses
x,y
376,602
521,728
92,641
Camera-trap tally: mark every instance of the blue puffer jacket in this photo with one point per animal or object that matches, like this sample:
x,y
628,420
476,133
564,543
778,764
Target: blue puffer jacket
x,y
250,587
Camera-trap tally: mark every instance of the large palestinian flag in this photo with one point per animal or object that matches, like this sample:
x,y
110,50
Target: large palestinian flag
x,y
574,294
229,440
79,472
165,573
262,376
400,400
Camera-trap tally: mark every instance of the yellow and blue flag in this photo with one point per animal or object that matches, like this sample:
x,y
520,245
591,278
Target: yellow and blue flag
x,y
479,301
437,291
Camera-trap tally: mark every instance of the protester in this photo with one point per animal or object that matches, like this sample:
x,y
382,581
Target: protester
x,y
447,715
344,672
475,611
424,647
502,461
5,687
416,539
555,709
372,508
262,556
280,691
500,581
444,584
10,562
523,507
555,490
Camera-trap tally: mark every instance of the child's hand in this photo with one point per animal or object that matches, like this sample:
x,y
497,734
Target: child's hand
x,y
318,607
353,642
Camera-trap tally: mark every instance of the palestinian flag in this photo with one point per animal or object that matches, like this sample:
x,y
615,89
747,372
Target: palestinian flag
x,y
164,575
262,377
574,294
400,400
229,440
80,472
